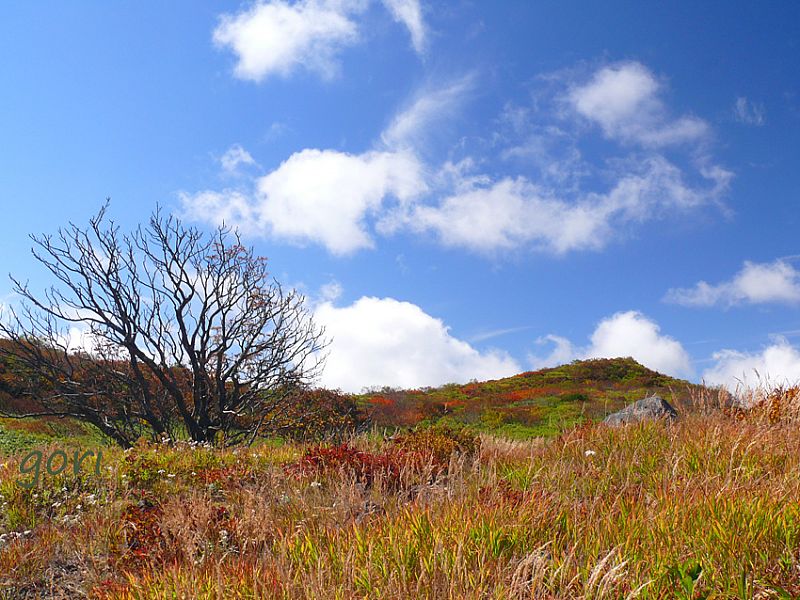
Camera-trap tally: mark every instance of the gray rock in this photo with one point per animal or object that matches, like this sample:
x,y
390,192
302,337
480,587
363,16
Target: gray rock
x,y
646,409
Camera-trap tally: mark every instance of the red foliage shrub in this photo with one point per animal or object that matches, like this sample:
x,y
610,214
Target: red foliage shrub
x,y
225,475
144,541
381,401
364,466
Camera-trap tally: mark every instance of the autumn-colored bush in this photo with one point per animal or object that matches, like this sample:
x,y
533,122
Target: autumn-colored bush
x,y
394,408
438,443
141,527
364,467
316,414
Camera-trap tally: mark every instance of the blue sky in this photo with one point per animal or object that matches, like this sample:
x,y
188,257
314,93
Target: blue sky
x,y
464,190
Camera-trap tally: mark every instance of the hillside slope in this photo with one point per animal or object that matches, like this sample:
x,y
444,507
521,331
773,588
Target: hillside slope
x,y
533,403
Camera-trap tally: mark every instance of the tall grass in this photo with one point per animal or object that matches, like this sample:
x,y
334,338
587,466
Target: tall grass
x,y
707,507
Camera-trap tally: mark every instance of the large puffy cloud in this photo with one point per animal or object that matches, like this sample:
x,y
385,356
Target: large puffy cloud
x,y
776,364
320,196
755,283
624,334
624,99
385,342
277,37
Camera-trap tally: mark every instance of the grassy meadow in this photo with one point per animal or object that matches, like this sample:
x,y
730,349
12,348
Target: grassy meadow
x,y
706,508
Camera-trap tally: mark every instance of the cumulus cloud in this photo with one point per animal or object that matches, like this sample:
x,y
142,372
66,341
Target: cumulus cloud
x,y
510,213
776,364
755,283
623,334
341,200
316,196
749,113
409,13
276,37
385,342
328,197
624,100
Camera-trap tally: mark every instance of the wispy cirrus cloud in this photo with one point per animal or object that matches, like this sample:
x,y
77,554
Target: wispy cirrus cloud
x,y
748,112
430,107
409,13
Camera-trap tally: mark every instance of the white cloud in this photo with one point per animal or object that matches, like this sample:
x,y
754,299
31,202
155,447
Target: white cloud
x,y
748,112
231,207
235,157
489,216
755,283
382,341
624,100
275,38
624,334
410,127
330,292
777,364
409,13
316,196
341,200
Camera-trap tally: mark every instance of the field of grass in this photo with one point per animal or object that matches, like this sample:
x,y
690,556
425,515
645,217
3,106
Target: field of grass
x,y
706,508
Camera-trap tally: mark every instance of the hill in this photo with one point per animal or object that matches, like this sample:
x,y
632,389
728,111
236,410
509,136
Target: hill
x,y
530,404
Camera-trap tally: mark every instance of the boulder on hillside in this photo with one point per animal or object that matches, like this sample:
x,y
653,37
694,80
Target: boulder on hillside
x,y
646,409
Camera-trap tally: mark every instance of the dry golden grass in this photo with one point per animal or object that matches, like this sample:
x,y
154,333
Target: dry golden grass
x,y
706,508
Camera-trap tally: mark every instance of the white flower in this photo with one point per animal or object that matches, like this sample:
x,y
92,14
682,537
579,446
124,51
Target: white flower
x,y
316,484
161,471
589,453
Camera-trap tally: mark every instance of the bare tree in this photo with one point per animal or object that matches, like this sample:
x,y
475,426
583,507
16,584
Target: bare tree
x,y
184,331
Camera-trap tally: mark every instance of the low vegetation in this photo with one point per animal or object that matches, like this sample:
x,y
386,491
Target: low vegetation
x,y
706,508
532,404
